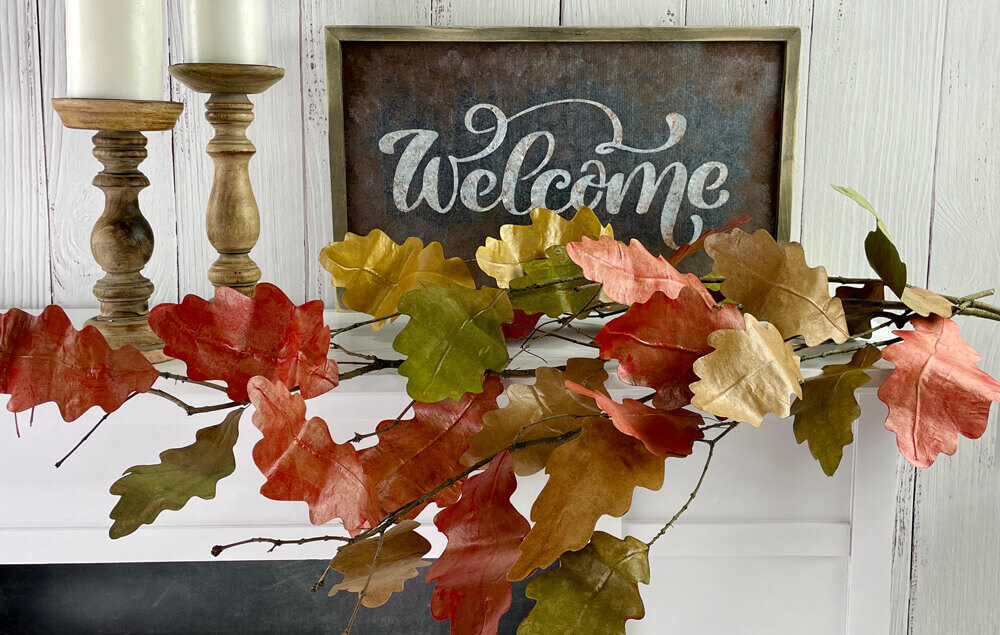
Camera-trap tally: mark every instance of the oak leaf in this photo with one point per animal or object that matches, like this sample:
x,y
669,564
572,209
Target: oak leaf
x,y
181,474
504,259
415,455
592,475
43,358
657,342
453,337
663,432
542,402
376,272
539,289
684,251
521,325
828,407
302,463
925,302
775,284
879,249
749,374
859,321
234,337
483,531
399,553
936,391
594,590
628,273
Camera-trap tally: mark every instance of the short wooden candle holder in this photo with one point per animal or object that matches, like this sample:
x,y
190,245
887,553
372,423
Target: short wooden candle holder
x,y
233,218
122,240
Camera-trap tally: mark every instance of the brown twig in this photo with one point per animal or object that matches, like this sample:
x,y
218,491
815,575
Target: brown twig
x,y
195,410
364,589
361,437
276,542
848,349
351,327
91,431
188,380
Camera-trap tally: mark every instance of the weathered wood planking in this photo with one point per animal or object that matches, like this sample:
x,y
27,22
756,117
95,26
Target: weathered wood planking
x,y
24,226
956,578
623,13
494,13
74,204
315,17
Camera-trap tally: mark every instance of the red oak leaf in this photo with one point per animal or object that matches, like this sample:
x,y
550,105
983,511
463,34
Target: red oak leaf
x,y
936,391
483,531
658,342
234,338
629,273
521,326
663,432
302,462
416,455
684,251
43,358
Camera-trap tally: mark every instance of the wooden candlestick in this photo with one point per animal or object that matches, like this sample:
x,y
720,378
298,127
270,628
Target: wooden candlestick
x,y
122,240
233,219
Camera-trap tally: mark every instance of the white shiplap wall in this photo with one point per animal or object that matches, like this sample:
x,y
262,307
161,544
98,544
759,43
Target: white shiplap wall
x,y
898,99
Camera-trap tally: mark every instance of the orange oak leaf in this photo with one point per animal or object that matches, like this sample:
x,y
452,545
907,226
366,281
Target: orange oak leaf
x,y
936,391
629,273
43,358
234,338
684,251
521,326
663,432
483,531
302,462
418,454
657,343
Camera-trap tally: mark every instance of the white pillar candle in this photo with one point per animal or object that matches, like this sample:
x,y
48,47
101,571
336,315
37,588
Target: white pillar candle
x,y
225,31
114,49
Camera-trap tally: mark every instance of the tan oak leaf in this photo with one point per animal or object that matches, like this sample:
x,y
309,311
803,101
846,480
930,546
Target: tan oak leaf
x,y
925,302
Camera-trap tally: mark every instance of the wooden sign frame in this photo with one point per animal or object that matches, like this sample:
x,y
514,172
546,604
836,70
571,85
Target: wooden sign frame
x,y
337,35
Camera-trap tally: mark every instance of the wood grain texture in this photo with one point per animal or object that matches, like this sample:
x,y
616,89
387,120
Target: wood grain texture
x,y
494,13
957,513
24,227
74,204
317,14
623,13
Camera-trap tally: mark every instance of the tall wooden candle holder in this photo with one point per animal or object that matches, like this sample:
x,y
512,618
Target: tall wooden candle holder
x,y
122,240
233,219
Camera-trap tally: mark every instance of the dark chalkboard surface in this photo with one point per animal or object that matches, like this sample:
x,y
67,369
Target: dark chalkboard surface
x,y
207,597
449,134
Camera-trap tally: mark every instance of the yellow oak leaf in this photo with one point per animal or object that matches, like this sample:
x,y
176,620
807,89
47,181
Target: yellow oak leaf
x,y
547,397
399,552
504,259
924,302
774,283
749,374
376,272
592,475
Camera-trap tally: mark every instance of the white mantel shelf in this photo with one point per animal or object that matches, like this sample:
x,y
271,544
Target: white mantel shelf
x,y
765,501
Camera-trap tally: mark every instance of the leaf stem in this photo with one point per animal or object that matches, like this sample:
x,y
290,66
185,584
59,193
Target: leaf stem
x,y
91,431
364,590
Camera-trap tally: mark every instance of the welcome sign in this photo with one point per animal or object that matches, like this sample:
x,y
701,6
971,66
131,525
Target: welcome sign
x,y
448,134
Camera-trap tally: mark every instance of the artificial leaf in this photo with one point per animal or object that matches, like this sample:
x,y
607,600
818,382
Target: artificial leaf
x,y
684,251
657,342
594,590
879,249
302,463
376,272
483,531
415,455
504,259
749,374
399,557
630,274
828,407
521,325
453,337
592,475
775,284
43,358
570,296
235,337
925,302
542,402
860,321
181,474
936,391
663,432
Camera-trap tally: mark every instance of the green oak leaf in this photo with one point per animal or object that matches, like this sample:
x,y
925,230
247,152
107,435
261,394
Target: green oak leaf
x,y
554,299
453,337
828,407
593,591
879,248
181,474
